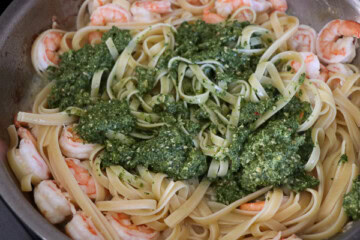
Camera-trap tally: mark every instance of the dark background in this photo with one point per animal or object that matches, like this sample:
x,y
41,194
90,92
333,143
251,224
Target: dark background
x,y
10,226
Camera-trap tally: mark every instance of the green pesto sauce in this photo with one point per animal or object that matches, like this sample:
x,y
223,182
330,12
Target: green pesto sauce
x,y
343,159
351,201
103,116
200,41
228,190
272,155
170,152
145,79
74,74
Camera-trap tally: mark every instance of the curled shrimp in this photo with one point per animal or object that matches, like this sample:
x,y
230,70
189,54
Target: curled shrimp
x,y
28,156
226,7
312,65
256,206
109,13
337,72
73,146
212,18
81,227
279,5
303,40
340,68
336,43
94,4
82,176
127,230
46,49
149,10
52,203
95,37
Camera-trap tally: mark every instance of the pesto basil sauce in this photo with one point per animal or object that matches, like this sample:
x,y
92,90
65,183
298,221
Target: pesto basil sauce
x,y
273,155
351,201
102,117
74,74
170,152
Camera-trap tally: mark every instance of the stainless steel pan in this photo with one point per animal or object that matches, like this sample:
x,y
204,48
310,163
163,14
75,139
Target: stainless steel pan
x,y
20,24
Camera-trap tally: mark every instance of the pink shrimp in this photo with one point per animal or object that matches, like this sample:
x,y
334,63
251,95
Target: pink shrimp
x,y
109,13
73,146
279,5
28,156
48,46
150,10
127,230
312,65
324,73
336,43
195,2
94,4
303,40
212,18
226,7
82,176
340,68
81,227
335,70
95,37
52,203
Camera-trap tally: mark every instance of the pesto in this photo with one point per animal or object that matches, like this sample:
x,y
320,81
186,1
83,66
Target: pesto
x,y
145,79
351,201
228,190
273,155
343,159
171,152
103,116
74,74
200,41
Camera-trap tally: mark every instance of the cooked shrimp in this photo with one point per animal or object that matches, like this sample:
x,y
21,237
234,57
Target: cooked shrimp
x,y
109,13
94,4
336,42
95,37
73,146
312,65
279,5
82,176
212,18
127,230
195,2
51,202
303,40
225,7
48,49
340,68
335,70
324,73
28,156
256,206
149,10
81,227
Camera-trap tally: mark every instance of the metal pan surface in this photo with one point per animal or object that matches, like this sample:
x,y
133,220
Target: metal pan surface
x,y
19,26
